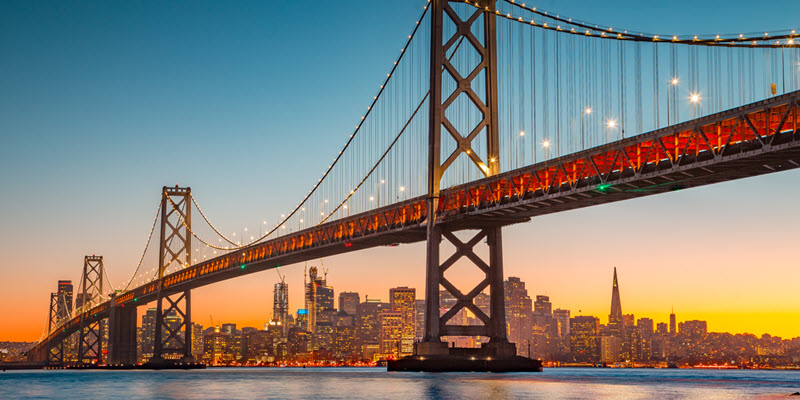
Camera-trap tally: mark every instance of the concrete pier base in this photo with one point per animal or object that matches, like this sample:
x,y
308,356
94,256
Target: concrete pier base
x,y
492,357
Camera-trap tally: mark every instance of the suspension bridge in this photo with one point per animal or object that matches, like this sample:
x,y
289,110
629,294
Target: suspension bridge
x,y
494,112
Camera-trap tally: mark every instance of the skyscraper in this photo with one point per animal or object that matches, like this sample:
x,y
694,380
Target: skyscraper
x,y
311,284
64,300
148,334
280,305
518,314
403,301
616,326
673,324
542,305
585,339
369,327
420,304
348,302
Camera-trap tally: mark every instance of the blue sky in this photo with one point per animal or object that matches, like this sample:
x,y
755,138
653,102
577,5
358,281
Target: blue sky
x,y
102,103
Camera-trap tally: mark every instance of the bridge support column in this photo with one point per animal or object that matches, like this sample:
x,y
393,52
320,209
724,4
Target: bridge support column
x,y
432,354
173,329
90,337
121,334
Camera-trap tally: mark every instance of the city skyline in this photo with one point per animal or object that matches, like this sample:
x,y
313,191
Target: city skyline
x,y
730,280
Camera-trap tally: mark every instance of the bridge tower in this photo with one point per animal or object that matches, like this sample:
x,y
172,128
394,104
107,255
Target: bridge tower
x,y
436,353
175,247
55,352
90,338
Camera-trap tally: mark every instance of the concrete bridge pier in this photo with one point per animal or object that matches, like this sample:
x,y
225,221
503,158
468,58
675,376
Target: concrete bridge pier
x,y
121,335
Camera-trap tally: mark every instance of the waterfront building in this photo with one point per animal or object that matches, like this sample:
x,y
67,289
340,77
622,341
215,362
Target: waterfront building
x,y
403,301
609,349
391,334
148,334
584,338
562,319
345,340
420,310
368,327
519,320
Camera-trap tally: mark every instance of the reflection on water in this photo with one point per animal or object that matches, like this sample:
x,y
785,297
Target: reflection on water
x,y
376,383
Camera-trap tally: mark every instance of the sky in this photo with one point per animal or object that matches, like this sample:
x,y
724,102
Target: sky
x,y
103,103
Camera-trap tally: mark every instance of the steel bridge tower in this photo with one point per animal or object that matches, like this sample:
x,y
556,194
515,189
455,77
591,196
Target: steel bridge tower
x,y
175,247
432,354
55,352
90,339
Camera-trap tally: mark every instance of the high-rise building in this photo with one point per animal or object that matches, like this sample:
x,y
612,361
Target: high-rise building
x,y
148,334
280,305
694,329
542,305
562,319
661,329
403,301
645,326
345,336
312,284
562,316
616,326
197,340
391,334
420,306
348,302
584,338
518,314
325,298
673,324
297,342
609,349
368,327
64,300
323,337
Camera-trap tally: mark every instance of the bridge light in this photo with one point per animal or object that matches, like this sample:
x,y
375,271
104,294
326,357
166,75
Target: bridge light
x,y
694,98
674,82
612,123
603,188
546,144
243,266
522,133
402,188
588,110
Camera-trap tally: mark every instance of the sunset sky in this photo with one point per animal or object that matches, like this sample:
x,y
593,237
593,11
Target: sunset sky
x,y
103,103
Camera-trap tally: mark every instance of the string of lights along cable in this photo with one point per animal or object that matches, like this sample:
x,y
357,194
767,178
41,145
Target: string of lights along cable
x,y
564,86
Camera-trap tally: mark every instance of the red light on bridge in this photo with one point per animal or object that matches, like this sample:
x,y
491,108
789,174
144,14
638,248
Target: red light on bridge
x,y
348,244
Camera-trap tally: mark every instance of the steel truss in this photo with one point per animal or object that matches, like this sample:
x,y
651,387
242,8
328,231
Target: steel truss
x,y
55,352
90,339
435,325
175,247
494,324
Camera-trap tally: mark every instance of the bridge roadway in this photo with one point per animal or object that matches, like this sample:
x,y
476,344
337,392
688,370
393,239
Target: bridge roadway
x,y
751,140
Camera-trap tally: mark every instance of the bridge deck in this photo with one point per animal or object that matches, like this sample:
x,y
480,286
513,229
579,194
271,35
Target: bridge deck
x,y
751,140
